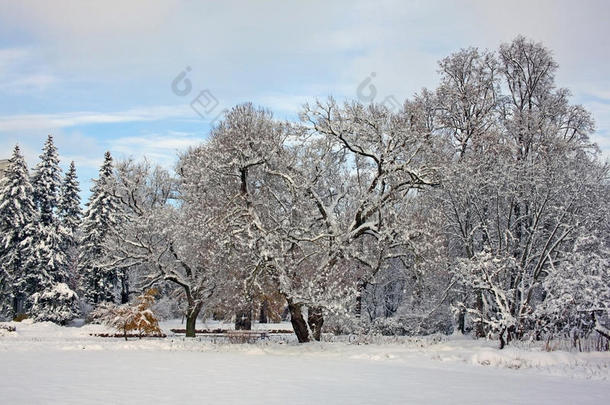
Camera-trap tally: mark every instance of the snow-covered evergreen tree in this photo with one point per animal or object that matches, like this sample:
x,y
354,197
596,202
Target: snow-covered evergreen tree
x,y
47,182
70,216
6,294
49,298
68,210
101,218
46,258
46,261
58,304
17,218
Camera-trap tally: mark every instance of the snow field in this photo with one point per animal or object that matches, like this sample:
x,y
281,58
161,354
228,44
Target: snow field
x,y
46,363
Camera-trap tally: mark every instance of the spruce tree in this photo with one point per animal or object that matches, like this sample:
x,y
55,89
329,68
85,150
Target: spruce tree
x,y
57,304
50,297
6,295
68,210
47,182
18,217
46,262
70,216
47,259
101,219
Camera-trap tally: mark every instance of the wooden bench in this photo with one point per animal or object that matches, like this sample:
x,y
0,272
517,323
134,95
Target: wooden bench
x,y
246,336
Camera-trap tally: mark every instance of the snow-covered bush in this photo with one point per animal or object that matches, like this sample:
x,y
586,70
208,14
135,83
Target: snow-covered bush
x,y
490,275
58,304
342,324
414,324
577,292
7,328
167,307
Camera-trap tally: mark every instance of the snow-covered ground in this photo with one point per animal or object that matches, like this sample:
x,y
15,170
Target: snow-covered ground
x,y
45,363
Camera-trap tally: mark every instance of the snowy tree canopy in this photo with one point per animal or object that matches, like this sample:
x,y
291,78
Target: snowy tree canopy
x,y
457,210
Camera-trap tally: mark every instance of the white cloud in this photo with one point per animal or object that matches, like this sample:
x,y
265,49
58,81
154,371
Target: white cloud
x,y
276,53
236,43
162,149
20,71
284,104
52,122
171,141
31,82
11,56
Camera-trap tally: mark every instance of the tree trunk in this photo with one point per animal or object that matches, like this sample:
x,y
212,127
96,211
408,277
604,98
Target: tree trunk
x,y
502,340
361,287
243,318
461,321
124,287
480,327
599,328
298,322
285,314
263,318
315,319
191,319
603,333
16,306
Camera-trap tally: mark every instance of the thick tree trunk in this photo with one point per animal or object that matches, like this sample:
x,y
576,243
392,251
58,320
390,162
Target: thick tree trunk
x,y
315,319
124,288
191,319
263,318
243,318
461,321
124,297
17,306
298,322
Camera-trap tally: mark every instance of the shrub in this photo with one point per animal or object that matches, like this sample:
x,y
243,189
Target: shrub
x,y
130,317
58,304
20,317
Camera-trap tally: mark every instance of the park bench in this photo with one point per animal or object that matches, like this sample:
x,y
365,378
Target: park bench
x,y
246,336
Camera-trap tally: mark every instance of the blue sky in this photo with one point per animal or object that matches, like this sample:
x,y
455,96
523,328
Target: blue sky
x,y
98,75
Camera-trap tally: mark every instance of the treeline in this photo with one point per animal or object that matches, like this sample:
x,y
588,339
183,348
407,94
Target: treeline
x,y
40,216
480,206
49,248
